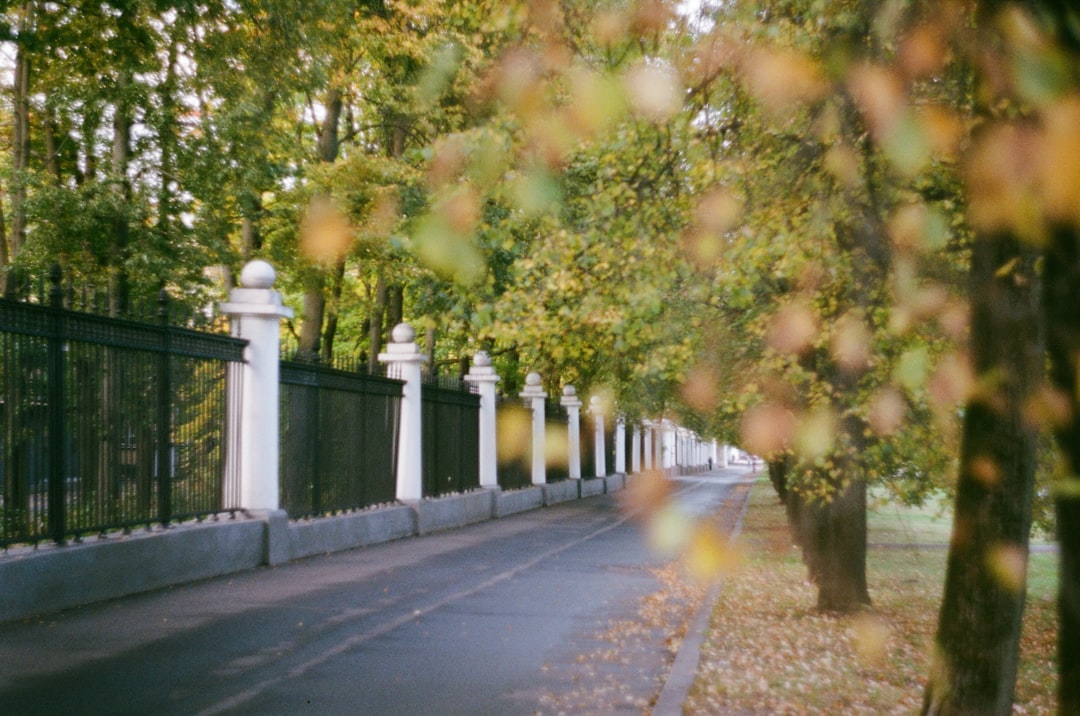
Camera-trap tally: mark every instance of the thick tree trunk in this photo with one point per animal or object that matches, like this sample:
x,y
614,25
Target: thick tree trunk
x,y
832,538
314,308
1061,308
977,643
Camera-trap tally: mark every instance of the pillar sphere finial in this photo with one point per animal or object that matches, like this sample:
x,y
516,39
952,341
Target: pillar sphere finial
x,y
258,274
532,378
569,390
482,359
403,333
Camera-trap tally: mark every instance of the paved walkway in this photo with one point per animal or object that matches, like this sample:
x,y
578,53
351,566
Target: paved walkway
x,y
557,610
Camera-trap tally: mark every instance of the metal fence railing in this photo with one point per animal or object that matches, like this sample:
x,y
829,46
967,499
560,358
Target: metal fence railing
x,y
339,432
107,423
557,442
514,443
451,429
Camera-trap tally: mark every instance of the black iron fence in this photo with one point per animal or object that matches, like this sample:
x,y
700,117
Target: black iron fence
x,y
514,443
451,429
108,423
557,442
339,434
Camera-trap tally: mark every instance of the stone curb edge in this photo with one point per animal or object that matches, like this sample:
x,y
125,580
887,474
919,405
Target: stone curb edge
x,y
684,670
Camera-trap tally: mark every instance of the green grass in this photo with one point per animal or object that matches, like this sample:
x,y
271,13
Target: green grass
x,y
768,651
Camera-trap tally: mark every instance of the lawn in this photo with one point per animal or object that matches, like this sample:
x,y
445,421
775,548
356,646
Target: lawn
x,y
769,652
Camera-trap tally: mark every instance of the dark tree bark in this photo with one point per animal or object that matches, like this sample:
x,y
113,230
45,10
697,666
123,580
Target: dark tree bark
x,y
977,642
20,147
119,283
329,333
1061,308
311,332
395,307
375,324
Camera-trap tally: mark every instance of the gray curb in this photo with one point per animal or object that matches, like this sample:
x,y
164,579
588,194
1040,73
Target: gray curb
x,y
683,672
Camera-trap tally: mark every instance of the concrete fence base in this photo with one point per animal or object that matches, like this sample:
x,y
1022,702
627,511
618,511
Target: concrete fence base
x,y
508,503
563,491
593,486
50,578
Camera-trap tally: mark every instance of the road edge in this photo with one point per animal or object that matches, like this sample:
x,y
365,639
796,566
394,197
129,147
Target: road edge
x,y
683,671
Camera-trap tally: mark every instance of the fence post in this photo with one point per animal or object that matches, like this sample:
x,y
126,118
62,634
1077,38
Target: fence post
x,y
404,361
596,407
163,416
54,376
536,396
483,376
667,445
255,312
573,404
620,446
648,446
722,461
635,450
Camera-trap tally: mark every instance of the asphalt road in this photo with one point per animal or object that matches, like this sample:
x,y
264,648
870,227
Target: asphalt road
x,y
563,609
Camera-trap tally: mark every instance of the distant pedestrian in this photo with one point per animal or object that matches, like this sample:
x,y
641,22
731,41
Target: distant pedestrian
x,y
710,463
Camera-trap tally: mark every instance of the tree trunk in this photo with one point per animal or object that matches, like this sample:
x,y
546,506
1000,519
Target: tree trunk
x,y
375,325
314,308
978,635
20,144
250,236
119,284
315,293
395,309
330,331
832,536
1061,309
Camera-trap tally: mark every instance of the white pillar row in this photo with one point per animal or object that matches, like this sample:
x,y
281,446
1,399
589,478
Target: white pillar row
x,y
535,395
650,441
404,361
573,404
255,312
620,446
596,407
483,376
635,450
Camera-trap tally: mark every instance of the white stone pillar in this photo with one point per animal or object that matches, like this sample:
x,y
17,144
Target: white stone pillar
x,y
650,439
723,462
596,407
667,441
573,404
482,375
620,446
255,312
404,361
536,395
635,450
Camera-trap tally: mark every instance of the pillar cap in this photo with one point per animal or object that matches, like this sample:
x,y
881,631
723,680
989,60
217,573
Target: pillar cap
x,y
481,370
532,386
570,399
403,333
258,274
